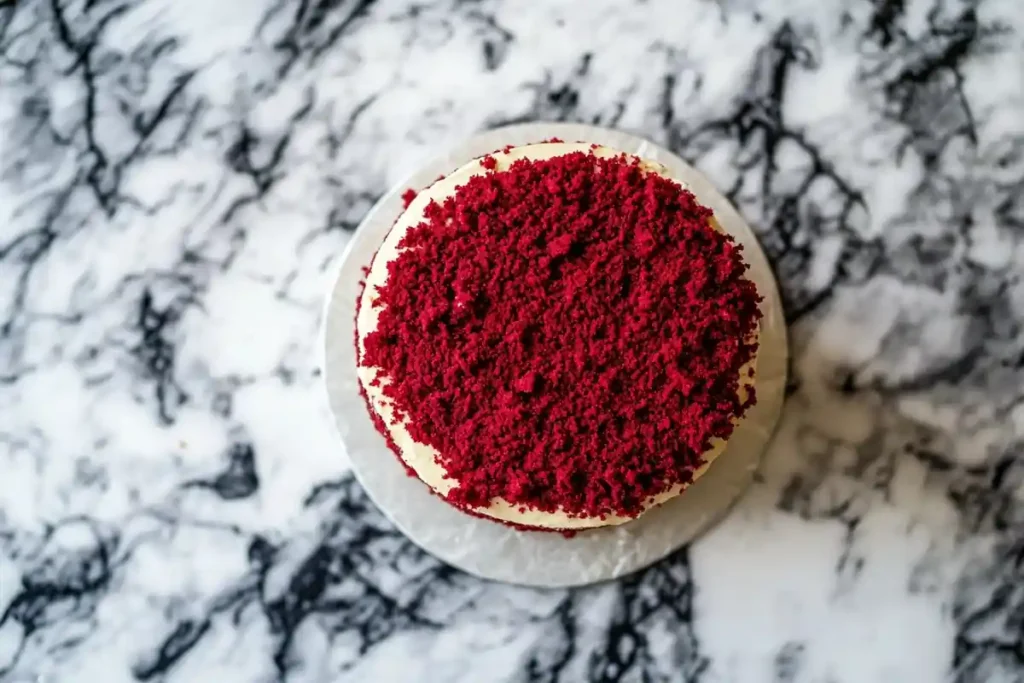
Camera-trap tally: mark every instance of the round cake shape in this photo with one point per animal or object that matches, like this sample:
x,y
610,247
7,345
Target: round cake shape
x,y
392,283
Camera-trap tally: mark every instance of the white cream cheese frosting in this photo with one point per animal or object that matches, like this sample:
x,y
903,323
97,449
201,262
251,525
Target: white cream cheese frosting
x,y
422,458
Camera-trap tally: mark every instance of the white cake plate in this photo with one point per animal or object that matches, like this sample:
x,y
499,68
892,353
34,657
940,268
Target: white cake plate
x,y
489,549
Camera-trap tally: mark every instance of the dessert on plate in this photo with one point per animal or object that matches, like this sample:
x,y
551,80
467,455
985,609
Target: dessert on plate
x,y
557,336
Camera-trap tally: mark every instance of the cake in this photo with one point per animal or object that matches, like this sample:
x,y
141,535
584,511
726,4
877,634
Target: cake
x,y
557,336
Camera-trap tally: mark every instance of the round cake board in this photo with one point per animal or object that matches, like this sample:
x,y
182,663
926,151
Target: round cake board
x,y
535,558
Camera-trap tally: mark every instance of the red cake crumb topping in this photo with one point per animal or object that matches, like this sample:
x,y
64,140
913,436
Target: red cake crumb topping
x,y
567,333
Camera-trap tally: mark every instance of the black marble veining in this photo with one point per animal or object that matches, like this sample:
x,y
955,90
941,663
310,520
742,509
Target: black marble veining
x,y
177,177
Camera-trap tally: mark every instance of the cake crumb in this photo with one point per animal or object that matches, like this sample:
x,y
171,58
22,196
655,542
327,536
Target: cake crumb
x,y
408,196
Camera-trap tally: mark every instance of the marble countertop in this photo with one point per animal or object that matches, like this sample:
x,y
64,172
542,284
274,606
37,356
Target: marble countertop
x,y
178,176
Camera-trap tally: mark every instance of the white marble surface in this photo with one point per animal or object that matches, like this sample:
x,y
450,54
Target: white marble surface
x,y
177,176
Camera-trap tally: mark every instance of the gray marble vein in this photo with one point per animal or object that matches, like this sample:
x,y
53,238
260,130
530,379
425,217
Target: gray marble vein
x,y
178,176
